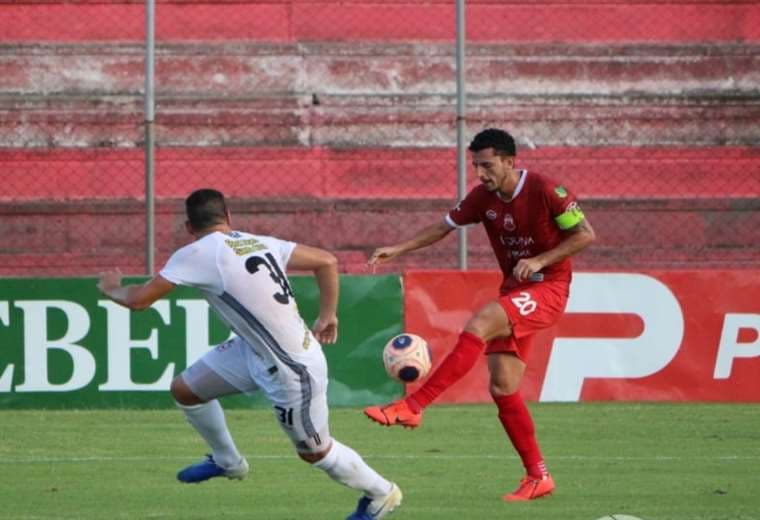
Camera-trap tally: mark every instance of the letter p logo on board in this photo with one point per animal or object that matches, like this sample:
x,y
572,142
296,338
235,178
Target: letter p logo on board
x,y
730,348
574,360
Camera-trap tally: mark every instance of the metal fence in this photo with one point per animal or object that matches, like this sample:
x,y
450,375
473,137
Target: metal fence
x,y
335,124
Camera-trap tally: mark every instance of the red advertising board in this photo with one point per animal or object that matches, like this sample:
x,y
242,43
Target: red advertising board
x,y
644,336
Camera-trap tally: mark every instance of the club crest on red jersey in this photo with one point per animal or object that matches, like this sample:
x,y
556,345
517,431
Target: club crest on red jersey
x,y
509,222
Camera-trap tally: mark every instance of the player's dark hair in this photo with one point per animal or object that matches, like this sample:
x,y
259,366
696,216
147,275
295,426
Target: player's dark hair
x,y
205,208
501,142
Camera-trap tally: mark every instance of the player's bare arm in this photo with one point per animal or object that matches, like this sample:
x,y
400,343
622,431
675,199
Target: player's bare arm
x,y
324,265
136,296
578,238
425,237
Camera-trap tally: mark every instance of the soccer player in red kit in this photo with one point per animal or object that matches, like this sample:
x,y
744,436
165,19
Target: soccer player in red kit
x,y
534,225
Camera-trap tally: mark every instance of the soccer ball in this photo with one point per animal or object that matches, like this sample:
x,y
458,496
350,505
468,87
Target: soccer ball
x,y
407,358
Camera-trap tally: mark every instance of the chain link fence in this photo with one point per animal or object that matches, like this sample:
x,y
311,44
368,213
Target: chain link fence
x,y
72,191
334,124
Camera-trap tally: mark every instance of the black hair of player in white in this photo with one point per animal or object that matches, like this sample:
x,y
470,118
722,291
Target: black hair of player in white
x,y
205,208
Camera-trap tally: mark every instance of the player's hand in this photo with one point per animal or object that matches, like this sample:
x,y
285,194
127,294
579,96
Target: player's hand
x,y
526,267
326,329
382,255
109,280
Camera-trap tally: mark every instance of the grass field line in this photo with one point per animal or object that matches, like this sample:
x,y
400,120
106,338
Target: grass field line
x,y
430,456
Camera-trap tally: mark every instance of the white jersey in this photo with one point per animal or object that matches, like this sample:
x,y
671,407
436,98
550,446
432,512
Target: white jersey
x,y
242,276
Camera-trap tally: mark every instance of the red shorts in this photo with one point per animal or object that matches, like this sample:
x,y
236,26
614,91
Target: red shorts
x,y
530,308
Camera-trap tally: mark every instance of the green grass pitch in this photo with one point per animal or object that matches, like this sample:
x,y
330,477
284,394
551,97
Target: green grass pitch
x,y
652,461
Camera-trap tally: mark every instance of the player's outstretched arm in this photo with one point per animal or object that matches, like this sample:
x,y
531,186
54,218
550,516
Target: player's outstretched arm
x,y
578,238
136,297
423,238
324,265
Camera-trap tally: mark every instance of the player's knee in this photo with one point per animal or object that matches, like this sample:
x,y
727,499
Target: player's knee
x,y
312,458
504,383
474,328
477,325
182,393
502,388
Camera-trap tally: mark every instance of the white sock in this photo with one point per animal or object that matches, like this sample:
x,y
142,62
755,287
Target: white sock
x,y
208,420
344,465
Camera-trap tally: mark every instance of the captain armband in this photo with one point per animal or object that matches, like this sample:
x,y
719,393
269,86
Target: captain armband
x,y
571,217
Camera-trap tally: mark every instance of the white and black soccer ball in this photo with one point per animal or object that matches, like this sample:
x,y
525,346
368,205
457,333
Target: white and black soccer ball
x,y
407,358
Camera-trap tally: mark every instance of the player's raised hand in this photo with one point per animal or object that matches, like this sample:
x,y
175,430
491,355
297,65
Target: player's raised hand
x,y
326,329
109,280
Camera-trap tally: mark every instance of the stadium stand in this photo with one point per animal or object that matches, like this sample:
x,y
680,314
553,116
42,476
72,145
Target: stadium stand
x,y
330,122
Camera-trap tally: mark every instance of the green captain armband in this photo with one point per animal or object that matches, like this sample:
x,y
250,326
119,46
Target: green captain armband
x,y
570,218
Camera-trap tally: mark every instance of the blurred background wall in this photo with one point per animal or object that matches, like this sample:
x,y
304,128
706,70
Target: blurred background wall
x,y
333,123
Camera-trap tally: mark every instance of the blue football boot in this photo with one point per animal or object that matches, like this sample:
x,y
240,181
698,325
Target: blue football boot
x,y
208,468
368,509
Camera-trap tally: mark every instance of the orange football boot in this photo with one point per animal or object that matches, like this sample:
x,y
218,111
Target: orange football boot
x,y
531,488
397,412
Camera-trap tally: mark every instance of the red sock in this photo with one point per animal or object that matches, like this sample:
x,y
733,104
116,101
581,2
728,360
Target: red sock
x,y
518,424
453,368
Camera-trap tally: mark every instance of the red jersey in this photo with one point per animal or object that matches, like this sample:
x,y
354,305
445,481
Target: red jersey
x,y
526,226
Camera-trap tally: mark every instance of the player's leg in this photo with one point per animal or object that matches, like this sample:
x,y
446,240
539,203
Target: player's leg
x,y
530,309
488,322
196,391
506,370
344,465
300,406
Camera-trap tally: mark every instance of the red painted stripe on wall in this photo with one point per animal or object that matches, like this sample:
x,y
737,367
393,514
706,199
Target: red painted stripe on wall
x,y
287,21
603,173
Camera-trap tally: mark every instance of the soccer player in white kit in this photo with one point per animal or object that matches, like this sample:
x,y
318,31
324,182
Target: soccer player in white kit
x,y
242,276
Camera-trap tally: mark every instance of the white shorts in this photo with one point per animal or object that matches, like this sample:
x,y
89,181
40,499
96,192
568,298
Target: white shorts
x,y
297,389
